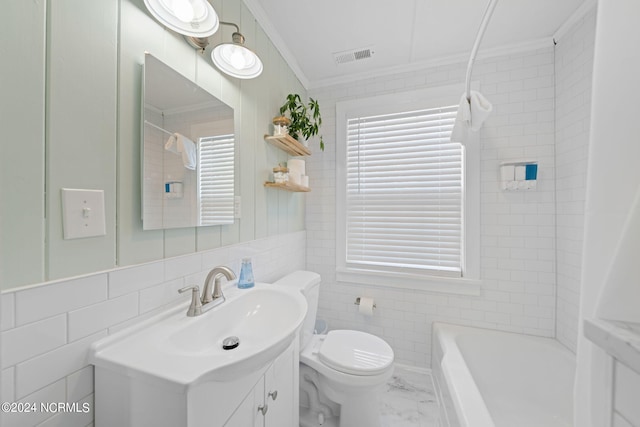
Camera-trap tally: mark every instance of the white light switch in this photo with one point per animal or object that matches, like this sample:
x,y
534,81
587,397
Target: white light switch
x,y
83,213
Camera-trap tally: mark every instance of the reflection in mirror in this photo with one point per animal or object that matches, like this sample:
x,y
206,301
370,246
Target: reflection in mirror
x,y
187,152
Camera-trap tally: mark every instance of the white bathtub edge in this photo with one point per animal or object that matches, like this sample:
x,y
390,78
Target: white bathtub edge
x,y
469,405
467,400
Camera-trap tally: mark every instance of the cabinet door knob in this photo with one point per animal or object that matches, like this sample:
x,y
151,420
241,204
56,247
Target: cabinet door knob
x,y
273,394
263,409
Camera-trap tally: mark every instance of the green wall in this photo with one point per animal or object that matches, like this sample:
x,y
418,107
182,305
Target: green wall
x,y
70,107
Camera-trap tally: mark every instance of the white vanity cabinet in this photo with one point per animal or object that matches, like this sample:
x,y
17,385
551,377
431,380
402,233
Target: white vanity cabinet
x,y
248,413
273,402
234,402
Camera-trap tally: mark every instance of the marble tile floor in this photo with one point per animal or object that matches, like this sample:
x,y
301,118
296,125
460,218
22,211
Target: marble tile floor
x,y
409,399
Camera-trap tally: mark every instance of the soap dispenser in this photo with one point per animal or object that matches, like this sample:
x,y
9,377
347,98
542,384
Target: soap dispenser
x,y
246,275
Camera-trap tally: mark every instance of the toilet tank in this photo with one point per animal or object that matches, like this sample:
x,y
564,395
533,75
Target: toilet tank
x,y
308,283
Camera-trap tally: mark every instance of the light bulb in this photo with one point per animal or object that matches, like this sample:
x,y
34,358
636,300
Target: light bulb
x,y
191,18
183,10
237,58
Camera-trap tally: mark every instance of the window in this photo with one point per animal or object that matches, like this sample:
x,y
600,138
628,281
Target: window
x,y
215,179
401,190
404,191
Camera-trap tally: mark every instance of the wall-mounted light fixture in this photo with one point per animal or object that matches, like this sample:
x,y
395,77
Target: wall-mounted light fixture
x,y
192,18
196,20
233,58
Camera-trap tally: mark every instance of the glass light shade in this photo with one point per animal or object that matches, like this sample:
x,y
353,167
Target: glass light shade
x,y
236,60
193,18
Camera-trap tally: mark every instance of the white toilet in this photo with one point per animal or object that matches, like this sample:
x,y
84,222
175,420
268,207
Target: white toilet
x,y
342,372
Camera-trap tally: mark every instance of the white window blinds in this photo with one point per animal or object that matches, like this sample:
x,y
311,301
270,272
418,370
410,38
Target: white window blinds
x,y
404,192
215,179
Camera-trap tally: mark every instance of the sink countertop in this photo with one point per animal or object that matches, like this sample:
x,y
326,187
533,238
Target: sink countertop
x,y
162,349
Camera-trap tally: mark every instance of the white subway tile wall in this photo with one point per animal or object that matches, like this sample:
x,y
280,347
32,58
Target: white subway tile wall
x,y
518,229
574,65
33,339
7,314
48,328
131,279
41,302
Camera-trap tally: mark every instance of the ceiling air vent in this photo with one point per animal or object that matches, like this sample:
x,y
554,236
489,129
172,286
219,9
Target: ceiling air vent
x,y
353,55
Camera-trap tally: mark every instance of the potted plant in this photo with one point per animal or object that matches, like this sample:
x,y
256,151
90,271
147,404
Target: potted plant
x,y
305,118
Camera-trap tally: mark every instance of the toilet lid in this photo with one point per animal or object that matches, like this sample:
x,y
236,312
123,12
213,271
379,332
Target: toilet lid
x,y
356,353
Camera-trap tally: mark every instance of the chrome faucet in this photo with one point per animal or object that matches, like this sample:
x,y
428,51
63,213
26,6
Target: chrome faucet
x,y
209,299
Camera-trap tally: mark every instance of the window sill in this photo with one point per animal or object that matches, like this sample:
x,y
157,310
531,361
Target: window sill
x,y
439,284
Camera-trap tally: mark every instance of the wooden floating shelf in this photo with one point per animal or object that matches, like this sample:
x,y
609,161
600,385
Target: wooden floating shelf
x,y
288,144
288,186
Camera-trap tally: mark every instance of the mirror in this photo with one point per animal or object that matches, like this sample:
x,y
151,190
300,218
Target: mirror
x,y
187,152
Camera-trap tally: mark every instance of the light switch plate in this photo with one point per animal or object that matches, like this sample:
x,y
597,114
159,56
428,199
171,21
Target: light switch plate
x,y
83,213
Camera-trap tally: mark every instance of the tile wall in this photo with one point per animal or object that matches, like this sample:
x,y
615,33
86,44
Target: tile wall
x,y
574,66
47,329
517,228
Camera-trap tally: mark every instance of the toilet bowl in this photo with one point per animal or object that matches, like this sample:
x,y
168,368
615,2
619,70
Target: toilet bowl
x,y
352,367
347,367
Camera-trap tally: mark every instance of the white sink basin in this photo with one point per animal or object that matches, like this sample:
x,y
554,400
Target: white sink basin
x,y
185,350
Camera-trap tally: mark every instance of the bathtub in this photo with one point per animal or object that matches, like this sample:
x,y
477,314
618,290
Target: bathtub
x,y
488,378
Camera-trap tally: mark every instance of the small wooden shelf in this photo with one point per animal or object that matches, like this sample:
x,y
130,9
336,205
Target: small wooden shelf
x,y
288,186
288,144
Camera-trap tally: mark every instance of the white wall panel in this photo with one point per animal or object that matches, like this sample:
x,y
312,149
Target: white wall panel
x,y
22,174
95,53
81,126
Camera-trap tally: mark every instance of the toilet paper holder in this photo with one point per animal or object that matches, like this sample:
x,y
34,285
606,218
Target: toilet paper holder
x,y
358,302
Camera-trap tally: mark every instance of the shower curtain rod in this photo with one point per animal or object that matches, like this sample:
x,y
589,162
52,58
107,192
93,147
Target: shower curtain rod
x,y
483,26
158,127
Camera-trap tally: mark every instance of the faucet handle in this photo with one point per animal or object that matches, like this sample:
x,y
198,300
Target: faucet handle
x,y
195,309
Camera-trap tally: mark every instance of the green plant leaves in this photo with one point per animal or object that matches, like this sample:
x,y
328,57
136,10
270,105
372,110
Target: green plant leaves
x,y
305,119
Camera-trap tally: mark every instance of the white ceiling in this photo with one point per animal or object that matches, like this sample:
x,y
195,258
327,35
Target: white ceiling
x,y
402,33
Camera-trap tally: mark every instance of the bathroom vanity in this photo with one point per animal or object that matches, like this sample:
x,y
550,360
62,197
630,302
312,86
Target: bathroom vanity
x,y
263,398
272,402
172,370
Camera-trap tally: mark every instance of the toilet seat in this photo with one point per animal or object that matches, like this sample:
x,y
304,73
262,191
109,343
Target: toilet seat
x,y
355,353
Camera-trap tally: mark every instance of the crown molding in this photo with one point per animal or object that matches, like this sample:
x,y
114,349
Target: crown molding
x,y
580,13
437,62
271,31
